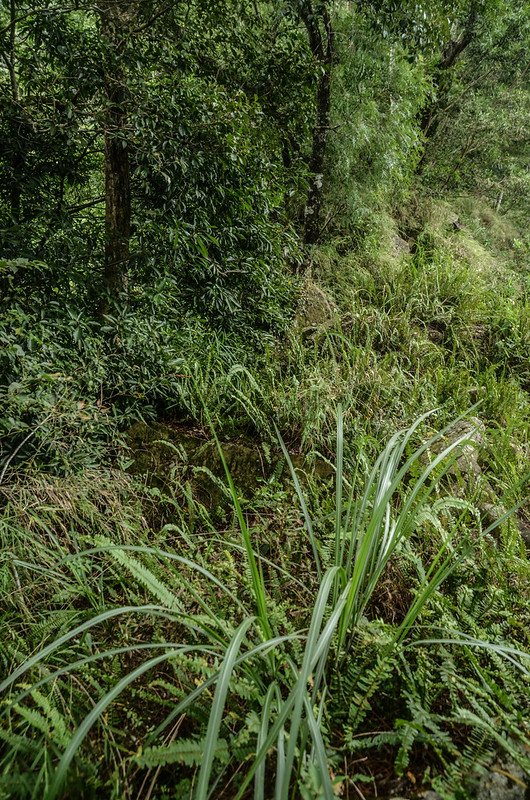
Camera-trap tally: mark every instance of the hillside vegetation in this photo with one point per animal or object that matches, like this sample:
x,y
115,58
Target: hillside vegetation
x,y
264,400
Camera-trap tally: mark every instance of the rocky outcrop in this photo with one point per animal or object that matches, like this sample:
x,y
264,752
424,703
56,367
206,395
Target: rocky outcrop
x,y
169,454
316,309
400,247
166,453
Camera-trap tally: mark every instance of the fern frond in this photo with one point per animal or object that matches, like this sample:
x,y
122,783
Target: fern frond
x,y
184,751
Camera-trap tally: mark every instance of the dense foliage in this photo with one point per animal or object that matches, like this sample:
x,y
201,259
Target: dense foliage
x,y
246,248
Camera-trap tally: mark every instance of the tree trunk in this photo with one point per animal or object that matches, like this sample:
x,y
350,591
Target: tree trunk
x,y
115,19
117,192
321,40
313,207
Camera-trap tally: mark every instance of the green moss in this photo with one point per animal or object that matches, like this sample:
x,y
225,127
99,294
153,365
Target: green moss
x,y
159,451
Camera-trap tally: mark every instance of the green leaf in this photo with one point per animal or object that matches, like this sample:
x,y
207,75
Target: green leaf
x,y
184,751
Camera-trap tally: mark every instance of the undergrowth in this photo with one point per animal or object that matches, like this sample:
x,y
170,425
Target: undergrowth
x,y
364,632
202,665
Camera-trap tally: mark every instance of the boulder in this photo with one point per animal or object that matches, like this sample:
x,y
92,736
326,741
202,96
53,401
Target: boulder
x,y
400,246
166,454
159,450
504,781
491,514
467,463
316,309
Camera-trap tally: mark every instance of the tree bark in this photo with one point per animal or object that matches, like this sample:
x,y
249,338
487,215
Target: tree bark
x,y
321,40
430,117
117,193
115,23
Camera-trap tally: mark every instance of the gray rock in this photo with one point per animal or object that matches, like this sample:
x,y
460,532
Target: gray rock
x,y
505,781
400,247
467,463
316,309
491,513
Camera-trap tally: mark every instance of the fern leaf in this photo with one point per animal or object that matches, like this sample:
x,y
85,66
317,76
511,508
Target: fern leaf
x,y
184,751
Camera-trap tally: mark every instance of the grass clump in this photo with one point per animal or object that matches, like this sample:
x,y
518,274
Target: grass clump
x,y
234,679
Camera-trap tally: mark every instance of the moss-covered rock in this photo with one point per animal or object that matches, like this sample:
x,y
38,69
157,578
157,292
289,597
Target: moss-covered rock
x,y
316,309
166,453
467,464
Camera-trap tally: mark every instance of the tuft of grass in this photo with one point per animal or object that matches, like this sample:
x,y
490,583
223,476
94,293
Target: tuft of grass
x,y
266,688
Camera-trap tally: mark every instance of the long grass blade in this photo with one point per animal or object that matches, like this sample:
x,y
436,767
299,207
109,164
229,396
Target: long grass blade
x,y
262,648
319,749
256,573
280,763
81,732
266,713
303,505
338,484
218,705
57,643
300,691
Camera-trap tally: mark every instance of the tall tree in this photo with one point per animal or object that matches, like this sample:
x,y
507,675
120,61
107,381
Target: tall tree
x,y
195,158
9,57
316,18
116,19
47,140
452,49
